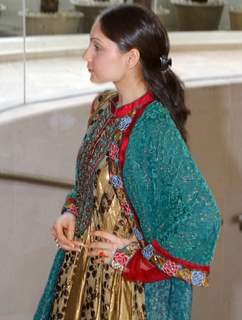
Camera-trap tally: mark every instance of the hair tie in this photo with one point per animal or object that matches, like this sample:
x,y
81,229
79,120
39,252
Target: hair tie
x,y
165,62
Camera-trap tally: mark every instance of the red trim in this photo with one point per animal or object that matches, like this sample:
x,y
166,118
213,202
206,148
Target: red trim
x,y
127,108
140,269
184,263
126,135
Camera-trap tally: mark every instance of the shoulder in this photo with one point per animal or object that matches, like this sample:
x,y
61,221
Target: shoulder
x,y
100,102
156,133
102,98
155,121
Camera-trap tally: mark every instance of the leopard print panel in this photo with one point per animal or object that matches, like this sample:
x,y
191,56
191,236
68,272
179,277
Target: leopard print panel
x,y
90,291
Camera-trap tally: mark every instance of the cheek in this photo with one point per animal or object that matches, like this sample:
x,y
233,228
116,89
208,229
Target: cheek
x,y
111,68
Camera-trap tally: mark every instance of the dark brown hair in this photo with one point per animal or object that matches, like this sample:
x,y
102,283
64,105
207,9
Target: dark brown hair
x,y
134,26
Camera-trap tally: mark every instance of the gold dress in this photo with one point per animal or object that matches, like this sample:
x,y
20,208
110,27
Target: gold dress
x,y
87,290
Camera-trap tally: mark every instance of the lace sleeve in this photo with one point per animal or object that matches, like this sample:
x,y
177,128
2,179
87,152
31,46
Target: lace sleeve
x,y
177,211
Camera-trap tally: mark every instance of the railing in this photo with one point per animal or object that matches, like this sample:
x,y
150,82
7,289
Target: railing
x,y
35,179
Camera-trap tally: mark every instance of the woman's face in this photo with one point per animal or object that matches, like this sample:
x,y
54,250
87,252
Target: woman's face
x,y
105,62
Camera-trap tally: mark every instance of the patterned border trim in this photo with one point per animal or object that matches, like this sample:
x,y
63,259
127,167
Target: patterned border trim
x,y
122,255
173,269
71,208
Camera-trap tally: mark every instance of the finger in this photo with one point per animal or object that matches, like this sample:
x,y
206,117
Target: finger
x,y
119,241
102,260
74,244
58,245
95,252
70,231
53,232
106,235
68,248
64,241
133,238
78,243
53,228
62,238
100,253
101,245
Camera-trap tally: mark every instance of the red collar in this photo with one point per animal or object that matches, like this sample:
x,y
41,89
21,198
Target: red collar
x,y
127,108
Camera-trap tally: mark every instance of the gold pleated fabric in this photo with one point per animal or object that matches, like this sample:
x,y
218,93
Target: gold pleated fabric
x,y
87,290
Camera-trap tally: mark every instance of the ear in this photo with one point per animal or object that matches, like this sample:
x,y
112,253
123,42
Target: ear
x,y
133,57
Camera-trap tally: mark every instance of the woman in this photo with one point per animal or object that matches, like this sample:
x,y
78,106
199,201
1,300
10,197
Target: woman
x,y
140,226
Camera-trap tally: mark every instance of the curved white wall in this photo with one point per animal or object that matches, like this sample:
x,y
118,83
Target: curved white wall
x,y
44,139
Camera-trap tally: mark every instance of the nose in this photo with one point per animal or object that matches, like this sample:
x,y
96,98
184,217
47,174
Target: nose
x,y
86,55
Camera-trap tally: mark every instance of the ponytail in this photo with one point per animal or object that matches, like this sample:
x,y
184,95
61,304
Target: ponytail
x,y
169,90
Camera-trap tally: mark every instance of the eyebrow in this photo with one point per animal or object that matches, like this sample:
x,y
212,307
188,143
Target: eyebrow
x,y
93,38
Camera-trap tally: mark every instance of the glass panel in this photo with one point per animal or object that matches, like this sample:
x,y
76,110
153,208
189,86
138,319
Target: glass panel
x,y
11,54
54,43
57,31
195,15
61,72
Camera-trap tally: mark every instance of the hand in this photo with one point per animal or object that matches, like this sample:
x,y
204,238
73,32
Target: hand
x,y
106,248
63,232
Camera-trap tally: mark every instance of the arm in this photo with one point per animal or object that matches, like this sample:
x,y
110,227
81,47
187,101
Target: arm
x,y
176,209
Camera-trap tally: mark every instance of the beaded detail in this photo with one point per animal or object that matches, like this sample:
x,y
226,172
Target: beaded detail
x,y
148,251
124,123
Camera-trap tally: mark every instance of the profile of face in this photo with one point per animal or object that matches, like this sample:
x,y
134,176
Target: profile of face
x,y
105,61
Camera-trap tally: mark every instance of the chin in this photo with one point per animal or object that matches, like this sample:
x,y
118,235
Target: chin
x,y
95,80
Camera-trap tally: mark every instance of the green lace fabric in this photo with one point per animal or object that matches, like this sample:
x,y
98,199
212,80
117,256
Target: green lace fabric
x,y
174,204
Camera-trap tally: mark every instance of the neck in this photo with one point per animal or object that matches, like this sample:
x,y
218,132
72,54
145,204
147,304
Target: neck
x,y
129,91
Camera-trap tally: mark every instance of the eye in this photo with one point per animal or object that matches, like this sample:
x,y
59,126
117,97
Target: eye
x,y
97,47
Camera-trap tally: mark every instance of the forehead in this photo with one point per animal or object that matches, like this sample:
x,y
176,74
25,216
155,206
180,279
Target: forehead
x,y
97,34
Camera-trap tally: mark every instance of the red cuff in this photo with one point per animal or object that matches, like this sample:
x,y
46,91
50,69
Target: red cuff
x,y
140,269
184,263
